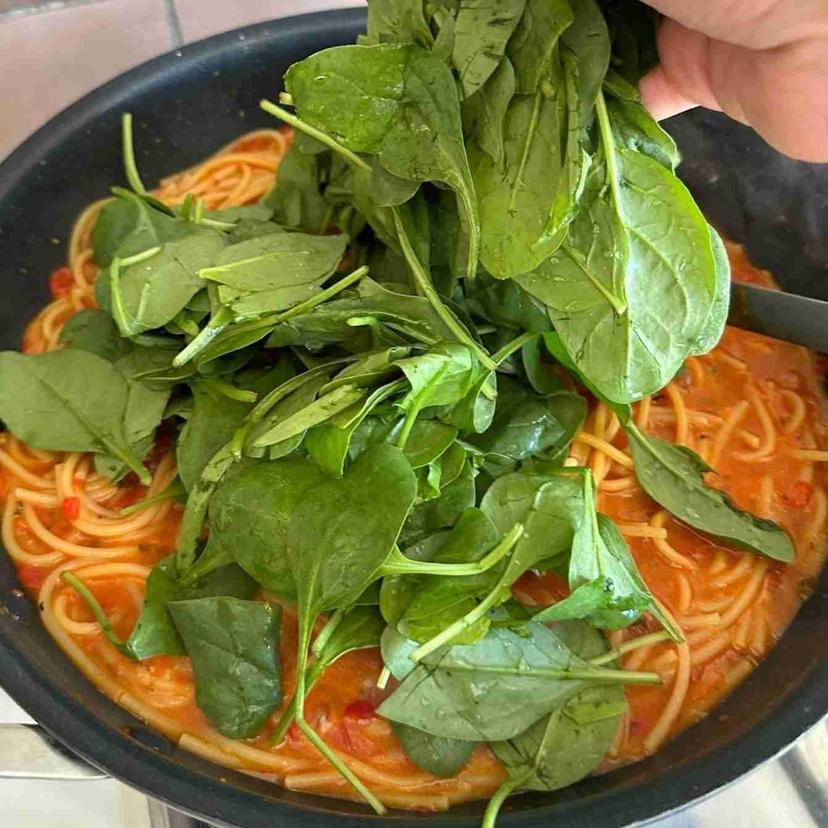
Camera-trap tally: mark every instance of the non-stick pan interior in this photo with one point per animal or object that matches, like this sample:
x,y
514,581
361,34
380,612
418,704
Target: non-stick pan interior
x,y
187,105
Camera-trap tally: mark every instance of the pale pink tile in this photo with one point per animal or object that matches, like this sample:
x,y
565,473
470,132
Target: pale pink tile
x,y
49,59
201,19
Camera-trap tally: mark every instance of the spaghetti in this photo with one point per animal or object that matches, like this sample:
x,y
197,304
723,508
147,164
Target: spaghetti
x,y
753,408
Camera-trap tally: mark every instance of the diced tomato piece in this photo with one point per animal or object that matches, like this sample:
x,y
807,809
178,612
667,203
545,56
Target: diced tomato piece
x,y
799,495
61,282
71,508
32,577
360,709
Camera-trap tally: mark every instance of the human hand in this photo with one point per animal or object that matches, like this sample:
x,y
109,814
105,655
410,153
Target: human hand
x,y
763,62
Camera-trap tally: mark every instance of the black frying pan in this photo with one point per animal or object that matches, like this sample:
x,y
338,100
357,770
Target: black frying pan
x,y
187,105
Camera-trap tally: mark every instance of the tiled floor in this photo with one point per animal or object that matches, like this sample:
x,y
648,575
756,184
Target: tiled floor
x,y
54,51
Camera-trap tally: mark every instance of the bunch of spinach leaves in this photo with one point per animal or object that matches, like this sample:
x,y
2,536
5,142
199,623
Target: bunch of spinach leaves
x,y
371,376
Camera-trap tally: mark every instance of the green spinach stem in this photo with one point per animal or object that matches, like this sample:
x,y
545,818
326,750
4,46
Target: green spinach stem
x,y
510,347
427,289
494,597
298,123
497,799
128,151
382,678
218,322
95,608
312,736
172,492
326,632
398,564
232,392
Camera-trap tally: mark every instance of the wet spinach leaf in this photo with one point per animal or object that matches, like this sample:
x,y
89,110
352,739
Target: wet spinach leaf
x,y
94,330
494,689
526,425
606,586
442,757
628,264
67,401
674,477
571,741
545,505
213,420
234,649
406,113
149,293
131,224
249,517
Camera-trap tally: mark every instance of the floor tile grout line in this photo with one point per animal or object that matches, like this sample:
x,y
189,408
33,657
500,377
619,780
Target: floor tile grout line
x,y
174,24
43,8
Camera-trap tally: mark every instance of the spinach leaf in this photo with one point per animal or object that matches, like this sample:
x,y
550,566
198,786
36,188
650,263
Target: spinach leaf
x,y
233,646
213,421
633,28
149,293
131,224
279,261
374,305
392,21
516,197
441,377
587,41
67,401
526,425
716,321
397,102
544,377
243,212
329,444
674,477
482,29
359,629
635,129
369,369
532,47
435,601
494,689
506,304
484,112
154,633
606,586
442,511
312,414
249,517
340,534
428,441
566,745
93,330
442,757
357,518
145,409
545,505
295,198
630,263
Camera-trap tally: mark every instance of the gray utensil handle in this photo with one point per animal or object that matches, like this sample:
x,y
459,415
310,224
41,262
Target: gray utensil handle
x,y
28,752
